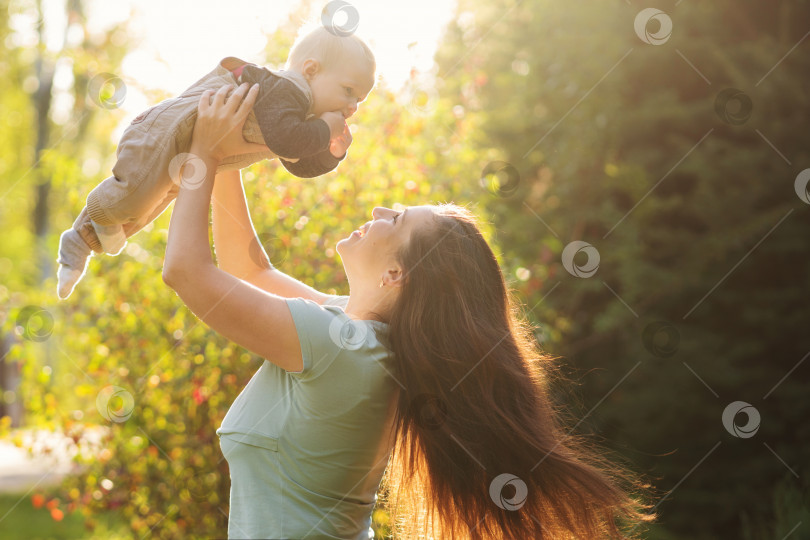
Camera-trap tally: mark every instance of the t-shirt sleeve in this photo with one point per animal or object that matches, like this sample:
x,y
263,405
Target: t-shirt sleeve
x,y
320,329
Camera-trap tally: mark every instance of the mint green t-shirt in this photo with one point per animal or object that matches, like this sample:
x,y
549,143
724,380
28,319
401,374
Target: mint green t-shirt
x,y
307,450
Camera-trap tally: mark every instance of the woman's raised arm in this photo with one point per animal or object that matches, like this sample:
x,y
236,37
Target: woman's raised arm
x,y
233,228
237,246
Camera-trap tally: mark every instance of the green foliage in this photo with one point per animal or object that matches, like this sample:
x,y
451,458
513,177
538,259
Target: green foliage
x,y
604,130
790,507
161,469
613,141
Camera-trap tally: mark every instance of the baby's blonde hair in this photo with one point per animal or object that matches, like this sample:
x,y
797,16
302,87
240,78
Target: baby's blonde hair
x,y
327,48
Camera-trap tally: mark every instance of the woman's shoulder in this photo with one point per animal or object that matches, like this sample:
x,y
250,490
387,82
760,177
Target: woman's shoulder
x,y
327,334
336,300
329,317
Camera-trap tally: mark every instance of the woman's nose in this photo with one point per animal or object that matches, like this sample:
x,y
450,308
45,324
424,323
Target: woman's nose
x,y
378,212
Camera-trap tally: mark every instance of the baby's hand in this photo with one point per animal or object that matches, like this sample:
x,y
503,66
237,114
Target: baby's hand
x,y
335,121
339,145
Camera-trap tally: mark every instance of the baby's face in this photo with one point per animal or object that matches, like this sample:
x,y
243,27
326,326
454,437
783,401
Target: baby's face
x,y
340,88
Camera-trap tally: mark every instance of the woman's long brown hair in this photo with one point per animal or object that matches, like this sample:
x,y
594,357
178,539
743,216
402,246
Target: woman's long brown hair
x,y
477,404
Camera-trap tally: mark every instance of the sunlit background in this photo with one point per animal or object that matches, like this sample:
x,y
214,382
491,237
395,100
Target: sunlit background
x,y
176,42
640,172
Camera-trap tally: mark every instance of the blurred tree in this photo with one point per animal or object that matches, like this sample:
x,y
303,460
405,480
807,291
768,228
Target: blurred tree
x,y
135,360
50,153
585,132
687,197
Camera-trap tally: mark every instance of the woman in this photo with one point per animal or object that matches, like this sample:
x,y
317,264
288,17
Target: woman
x,y
423,381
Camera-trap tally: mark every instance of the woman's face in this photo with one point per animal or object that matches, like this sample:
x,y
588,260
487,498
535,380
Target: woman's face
x,y
370,251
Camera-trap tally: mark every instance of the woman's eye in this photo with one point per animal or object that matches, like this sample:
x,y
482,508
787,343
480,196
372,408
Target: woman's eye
x,y
395,218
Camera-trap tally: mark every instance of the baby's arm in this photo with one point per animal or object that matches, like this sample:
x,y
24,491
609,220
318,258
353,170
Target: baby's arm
x,y
280,112
312,166
322,162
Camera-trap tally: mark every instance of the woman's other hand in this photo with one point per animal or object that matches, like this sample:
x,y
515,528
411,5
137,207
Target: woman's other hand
x,y
335,121
341,143
218,129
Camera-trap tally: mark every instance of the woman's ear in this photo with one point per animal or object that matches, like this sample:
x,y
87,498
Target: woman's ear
x,y
394,277
310,68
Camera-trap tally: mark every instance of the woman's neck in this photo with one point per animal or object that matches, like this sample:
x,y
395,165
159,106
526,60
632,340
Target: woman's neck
x,y
370,304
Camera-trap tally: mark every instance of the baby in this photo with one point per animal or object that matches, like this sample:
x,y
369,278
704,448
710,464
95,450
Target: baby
x,y
300,115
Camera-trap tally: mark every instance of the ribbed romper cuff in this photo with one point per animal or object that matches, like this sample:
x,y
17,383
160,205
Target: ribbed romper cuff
x,y
91,240
96,211
84,227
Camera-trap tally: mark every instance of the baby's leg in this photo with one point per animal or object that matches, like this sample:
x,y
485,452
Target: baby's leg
x,y
136,193
75,247
112,237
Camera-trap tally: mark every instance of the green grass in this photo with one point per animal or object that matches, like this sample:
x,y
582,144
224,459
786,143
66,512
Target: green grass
x,y
19,520
24,522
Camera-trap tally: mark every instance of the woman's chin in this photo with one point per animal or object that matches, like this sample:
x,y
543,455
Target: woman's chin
x,y
342,243
353,237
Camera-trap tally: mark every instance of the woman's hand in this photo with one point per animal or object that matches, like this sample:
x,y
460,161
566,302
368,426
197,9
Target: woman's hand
x,y
339,145
218,129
